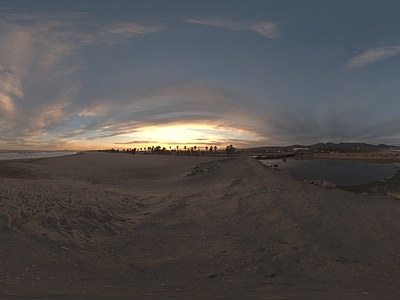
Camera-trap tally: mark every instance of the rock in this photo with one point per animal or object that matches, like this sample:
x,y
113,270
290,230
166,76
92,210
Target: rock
x,y
390,194
315,182
328,184
393,195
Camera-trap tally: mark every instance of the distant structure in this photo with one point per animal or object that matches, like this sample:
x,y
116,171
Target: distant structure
x,y
300,149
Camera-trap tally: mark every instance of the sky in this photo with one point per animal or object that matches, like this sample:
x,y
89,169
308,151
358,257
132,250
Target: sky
x,y
98,74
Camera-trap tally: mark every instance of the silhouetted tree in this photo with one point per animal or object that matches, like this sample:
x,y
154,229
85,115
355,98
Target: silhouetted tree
x,y
229,150
132,151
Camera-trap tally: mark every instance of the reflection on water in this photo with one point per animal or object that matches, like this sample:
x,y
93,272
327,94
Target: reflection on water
x,y
341,172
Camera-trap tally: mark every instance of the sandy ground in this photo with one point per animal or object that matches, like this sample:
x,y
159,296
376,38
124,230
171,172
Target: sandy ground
x,y
104,225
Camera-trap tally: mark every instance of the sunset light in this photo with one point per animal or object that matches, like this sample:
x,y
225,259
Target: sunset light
x,y
80,75
181,135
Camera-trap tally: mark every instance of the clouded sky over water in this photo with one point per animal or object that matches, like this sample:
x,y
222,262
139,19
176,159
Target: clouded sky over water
x,y
131,73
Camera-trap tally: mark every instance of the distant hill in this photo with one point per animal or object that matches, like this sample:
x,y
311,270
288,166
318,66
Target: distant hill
x,y
348,146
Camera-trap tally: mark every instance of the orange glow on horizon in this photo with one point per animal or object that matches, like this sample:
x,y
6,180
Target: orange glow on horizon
x,y
188,135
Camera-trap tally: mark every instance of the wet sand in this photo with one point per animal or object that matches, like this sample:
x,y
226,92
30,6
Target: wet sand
x,y
112,225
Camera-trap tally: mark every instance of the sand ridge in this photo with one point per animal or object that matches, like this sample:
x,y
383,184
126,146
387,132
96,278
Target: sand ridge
x,y
119,225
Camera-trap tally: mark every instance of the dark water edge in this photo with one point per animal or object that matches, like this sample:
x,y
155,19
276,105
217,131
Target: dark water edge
x,y
351,175
377,187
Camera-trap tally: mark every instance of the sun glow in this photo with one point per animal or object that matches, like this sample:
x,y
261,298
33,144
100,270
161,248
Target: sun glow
x,y
181,135
177,134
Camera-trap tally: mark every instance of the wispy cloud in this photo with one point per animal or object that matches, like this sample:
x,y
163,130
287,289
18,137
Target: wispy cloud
x,y
373,55
39,54
196,105
123,32
9,87
265,29
180,101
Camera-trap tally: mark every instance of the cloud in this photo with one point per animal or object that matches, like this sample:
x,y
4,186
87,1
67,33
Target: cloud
x,y
6,105
39,58
229,116
131,142
372,56
42,101
9,88
265,29
123,31
197,105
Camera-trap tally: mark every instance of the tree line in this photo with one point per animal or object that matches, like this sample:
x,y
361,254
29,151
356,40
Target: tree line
x,y
208,150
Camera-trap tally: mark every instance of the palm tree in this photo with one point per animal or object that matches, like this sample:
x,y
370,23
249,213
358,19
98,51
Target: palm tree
x,y
230,150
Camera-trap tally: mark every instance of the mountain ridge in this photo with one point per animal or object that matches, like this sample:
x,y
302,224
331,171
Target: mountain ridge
x,y
330,145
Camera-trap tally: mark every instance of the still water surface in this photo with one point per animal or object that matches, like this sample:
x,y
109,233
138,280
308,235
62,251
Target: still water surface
x,y
341,172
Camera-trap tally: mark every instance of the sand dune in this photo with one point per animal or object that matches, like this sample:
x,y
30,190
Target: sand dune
x,y
119,225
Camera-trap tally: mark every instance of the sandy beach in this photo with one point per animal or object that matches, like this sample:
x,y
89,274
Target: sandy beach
x,y
107,225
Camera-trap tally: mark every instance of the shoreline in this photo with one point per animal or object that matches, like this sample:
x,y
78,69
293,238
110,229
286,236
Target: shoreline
x,y
386,187
125,226
375,156
31,155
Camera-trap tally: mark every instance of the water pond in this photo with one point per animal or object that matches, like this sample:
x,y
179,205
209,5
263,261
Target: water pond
x,y
340,172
